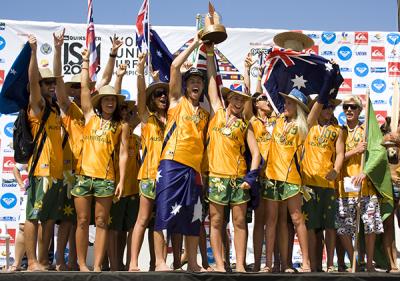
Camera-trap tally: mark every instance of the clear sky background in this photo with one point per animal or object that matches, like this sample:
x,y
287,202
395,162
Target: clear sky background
x,y
324,15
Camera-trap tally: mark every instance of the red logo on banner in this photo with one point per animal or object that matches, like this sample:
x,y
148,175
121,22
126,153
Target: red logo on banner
x,y
314,50
377,53
380,116
394,69
346,85
8,164
1,77
12,232
361,38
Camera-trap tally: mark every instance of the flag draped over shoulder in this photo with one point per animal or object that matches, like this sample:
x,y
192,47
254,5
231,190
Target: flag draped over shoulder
x,y
376,163
14,94
288,69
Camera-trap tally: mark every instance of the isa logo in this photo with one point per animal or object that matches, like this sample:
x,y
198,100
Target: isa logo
x,y
361,38
2,43
346,85
361,69
393,38
8,200
394,69
126,93
8,129
344,53
377,53
342,118
328,37
378,86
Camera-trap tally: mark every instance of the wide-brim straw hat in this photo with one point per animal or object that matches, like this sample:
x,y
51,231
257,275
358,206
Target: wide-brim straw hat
x,y
105,91
46,73
235,88
335,102
300,98
76,79
130,104
153,86
280,38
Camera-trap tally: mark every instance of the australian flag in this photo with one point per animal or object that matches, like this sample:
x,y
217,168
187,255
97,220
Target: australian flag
x,y
287,69
161,58
14,94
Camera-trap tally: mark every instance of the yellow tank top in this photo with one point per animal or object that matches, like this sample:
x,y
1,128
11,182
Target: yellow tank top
x,y
319,155
184,134
226,146
50,161
263,134
285,142
352,166
152,135
100,138
74,123
132,167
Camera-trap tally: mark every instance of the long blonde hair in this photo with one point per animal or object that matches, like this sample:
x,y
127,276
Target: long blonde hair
x,y
301,121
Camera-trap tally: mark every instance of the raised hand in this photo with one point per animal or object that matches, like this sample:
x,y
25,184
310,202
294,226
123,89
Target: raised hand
x,y
85,54
116,43
32,42
58,38
248,62
155,75
121,71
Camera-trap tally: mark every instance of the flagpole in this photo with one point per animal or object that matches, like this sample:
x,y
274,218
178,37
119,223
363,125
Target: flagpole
x,y
148,44
358,211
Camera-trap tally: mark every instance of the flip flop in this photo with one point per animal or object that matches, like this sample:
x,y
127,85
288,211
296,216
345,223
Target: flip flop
x,y
266,269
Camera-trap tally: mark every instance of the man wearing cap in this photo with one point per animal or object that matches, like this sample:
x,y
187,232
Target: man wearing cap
x,y
48,173
322,162
178,180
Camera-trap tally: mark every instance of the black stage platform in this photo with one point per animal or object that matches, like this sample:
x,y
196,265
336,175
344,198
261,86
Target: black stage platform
x,y
184,276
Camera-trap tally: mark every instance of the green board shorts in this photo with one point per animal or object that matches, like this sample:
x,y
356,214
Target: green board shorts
x,y
226,191
320,211
42,203
278,190
147,188
123,213
88,186
66,206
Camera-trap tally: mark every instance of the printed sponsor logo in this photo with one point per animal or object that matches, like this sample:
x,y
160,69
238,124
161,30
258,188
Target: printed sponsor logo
x,y
361,53
11,232
344,38
8,200
394,69
380,116
328,37
8,164
313,35
394,54
9,183
379,102
378,69
346,85
345,69
360,86
393,38
126,93
1,77
2,43
328,53
2,25
8,218
2,60
361,38
378,86
377,38
377,53
361,69
46,49
342,118
8,129
344,53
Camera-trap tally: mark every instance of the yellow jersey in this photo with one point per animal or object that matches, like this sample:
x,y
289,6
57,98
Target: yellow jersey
x,y
100,138
319,155
184,135
226,147
284,144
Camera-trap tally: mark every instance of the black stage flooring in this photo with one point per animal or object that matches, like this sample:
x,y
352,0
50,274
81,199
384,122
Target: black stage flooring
x,y
185,276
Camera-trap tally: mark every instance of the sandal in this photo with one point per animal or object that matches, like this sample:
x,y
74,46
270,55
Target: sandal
x,y
330,269
304,270
290,270
266,269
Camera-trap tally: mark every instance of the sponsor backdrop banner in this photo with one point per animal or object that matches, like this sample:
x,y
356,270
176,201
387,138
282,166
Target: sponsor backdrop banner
x,y
366,59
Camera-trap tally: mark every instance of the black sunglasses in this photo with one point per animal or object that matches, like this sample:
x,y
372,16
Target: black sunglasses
x,y
159,94
76,86
351,106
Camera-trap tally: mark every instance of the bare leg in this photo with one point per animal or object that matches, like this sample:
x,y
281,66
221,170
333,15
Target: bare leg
x,y
370,247
271,216
83,207
72,259
239,223
388,242
47,234
150,235
176,240
312,248
191,244
203,248
258,235
291,232
112,248
62,239
19,248
347,244
159,247
216,224
330,241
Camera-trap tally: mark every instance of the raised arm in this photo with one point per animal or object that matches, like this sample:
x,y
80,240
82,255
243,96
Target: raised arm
x,y
123,159
62,97
86,103
36,101
213,95
108,71
121,71
248,106
141,86
175,84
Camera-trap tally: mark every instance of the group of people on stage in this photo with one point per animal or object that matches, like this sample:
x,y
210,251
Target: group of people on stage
x,y
191,162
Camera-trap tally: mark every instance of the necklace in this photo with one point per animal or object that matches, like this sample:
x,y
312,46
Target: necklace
x,y
354,130
195,115
321,137
226,130
267,124
103,127
287,126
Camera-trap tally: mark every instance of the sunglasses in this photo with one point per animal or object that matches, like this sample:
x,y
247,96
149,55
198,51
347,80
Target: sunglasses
x,y
76,86
262,98
49,82
159,94
351,106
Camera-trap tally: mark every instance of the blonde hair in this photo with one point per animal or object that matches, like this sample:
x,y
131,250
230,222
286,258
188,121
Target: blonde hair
x,y
301,121
353,98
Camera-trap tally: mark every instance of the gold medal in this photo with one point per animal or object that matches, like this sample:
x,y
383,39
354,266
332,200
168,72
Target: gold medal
x,y
226,131
99,132
320,140
196,119
282,138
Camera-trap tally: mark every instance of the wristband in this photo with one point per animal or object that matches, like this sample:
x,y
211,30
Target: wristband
x,y
86,60
210,54
259,78
84,68
113,56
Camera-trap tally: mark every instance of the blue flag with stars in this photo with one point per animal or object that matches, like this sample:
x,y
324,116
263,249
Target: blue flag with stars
x,y
14,94
287,69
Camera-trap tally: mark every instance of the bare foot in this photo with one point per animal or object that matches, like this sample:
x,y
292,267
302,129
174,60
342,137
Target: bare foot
x,y
36,267
371,269
196,268
163,267
61,267
219,268
394,270
97,269
84,268
240,269
134,269
14,268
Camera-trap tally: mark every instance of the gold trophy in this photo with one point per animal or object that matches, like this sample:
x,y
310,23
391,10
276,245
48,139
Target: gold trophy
x,y
213,31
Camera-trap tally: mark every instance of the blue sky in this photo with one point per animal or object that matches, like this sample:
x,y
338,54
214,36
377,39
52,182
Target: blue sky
x,y
330,15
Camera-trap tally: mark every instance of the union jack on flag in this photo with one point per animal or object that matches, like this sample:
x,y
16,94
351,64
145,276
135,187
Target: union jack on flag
x,y
91,43
142,22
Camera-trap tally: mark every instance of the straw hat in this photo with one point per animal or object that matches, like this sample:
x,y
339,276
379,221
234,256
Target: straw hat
x,y
76,79
105,91
46,73
235,88
130,104
335,102
153,86
304,40
300,98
